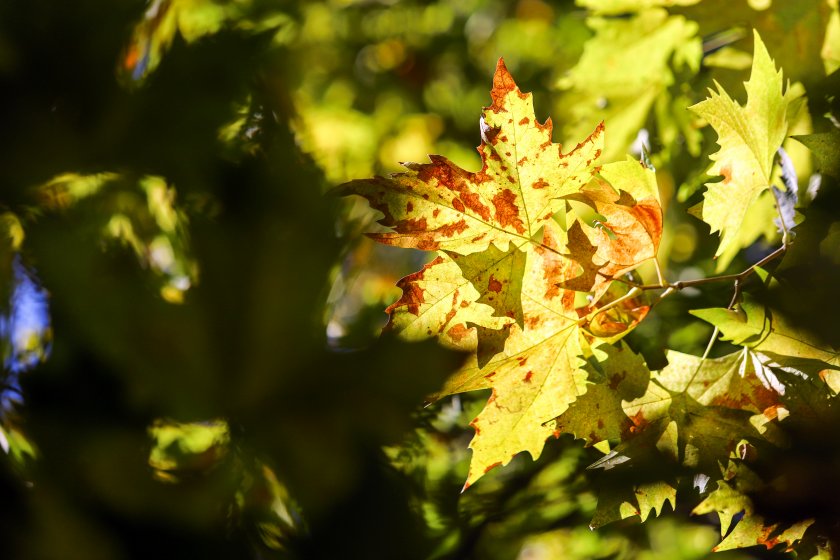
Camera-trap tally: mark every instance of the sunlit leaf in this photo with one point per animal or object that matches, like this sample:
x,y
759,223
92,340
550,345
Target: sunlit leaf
x,y
759,328
749,137
517,191
526,295
709,403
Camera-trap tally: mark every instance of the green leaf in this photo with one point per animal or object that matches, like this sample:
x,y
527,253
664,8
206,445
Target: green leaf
x,y
757,223
653,496
614,506
614,7
757,327
831,44
826,149
729,500
626,67
710,403
749,137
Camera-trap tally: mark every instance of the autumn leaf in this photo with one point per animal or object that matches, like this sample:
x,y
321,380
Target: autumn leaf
x,y
439,301
524,294
517,191
699,408
626,195
703,407
497,276
599,414
539,372
749,137
695,411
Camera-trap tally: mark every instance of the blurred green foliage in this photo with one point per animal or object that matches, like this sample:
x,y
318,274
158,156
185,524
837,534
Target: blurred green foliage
x,y
211,384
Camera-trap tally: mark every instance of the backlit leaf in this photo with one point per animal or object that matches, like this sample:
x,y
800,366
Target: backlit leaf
x,y
711,403
749,137
599,414
438,205
764,331
527,296
729,501
439,301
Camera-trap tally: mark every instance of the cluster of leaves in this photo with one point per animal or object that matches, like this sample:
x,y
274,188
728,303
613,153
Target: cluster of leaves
x,y
507,267
183,394
531,278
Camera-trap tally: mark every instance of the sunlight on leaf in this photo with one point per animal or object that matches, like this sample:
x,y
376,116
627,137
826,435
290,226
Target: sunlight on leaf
x,y
506,282
749,137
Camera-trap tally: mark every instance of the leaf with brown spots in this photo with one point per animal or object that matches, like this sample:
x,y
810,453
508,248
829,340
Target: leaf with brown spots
x,y
599,414
542,369
525,295
523,177
497,275
439,302
708,405
539,373
626,195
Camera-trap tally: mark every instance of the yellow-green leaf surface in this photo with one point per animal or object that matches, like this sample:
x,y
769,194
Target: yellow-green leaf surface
x,y
439,301
599,414
826,149
613,7
497,276
438,205
757,223
730,500
749,137
525,294
831,44
624,69
710,403
769,333
539,372
653,496
640,500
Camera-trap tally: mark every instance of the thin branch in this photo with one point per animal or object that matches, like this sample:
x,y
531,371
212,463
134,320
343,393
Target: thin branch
x,y
682,284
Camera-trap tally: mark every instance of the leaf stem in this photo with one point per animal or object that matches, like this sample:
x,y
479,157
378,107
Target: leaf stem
x,y
658,268
782,224
631,294
710,344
